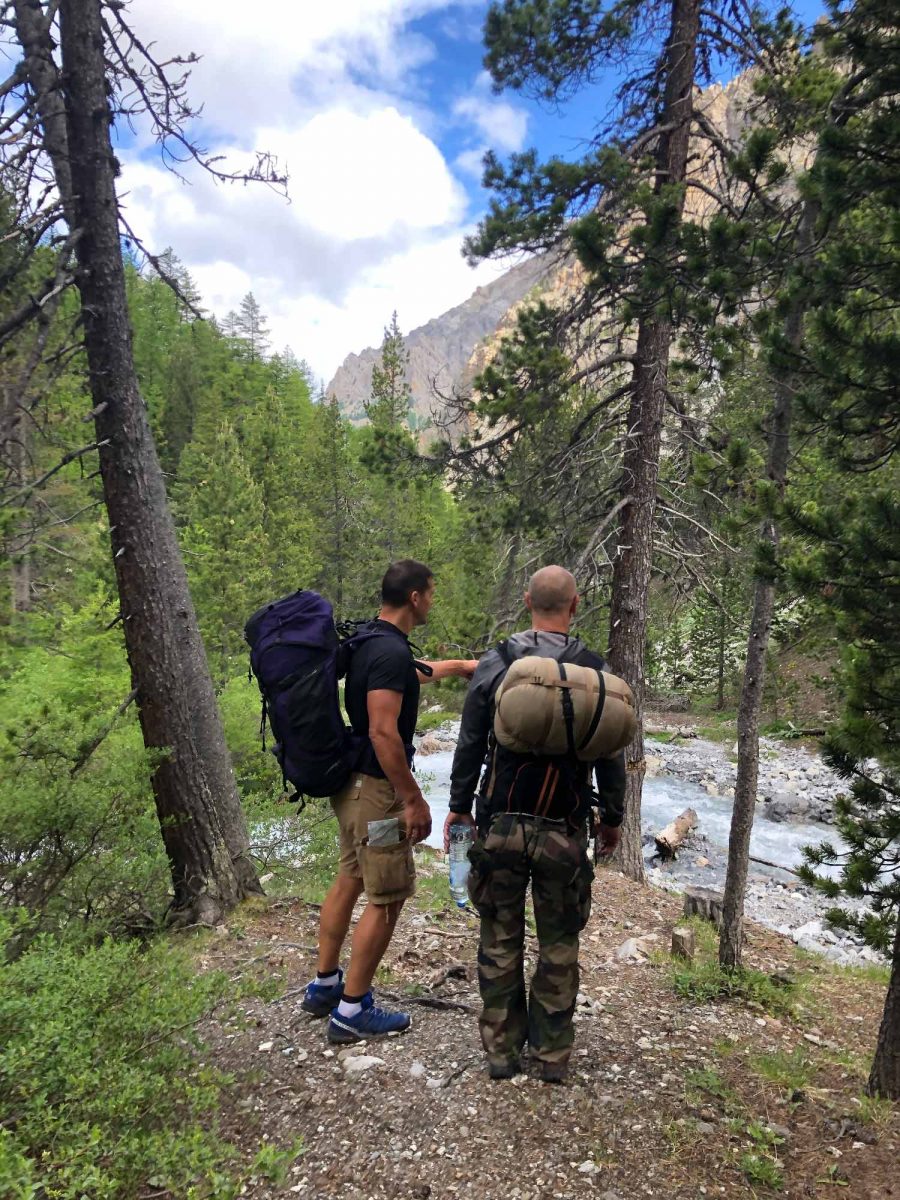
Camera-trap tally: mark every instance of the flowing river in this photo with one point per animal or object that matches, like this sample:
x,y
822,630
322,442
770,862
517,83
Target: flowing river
x,y
774,896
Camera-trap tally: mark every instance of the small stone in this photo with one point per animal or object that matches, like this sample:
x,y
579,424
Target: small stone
x,y
435,1082
351,1052
302,1056
265,1046
417,1070
360,1063
588,1168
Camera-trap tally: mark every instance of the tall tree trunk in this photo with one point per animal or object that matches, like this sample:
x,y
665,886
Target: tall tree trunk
x,y
202,822
884,1079
631,570
750,706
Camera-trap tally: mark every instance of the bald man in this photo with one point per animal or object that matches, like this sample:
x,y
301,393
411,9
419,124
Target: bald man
x,y
515,846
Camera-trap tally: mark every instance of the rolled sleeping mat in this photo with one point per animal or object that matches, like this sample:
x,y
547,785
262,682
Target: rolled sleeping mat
x,y
530,712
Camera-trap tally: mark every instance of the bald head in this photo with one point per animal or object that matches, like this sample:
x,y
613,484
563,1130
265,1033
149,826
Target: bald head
x,y
551,593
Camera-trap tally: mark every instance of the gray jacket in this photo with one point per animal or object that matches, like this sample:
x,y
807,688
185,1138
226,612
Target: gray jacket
x,y
478,720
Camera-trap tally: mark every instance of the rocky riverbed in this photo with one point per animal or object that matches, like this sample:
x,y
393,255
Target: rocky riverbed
x,y
795,808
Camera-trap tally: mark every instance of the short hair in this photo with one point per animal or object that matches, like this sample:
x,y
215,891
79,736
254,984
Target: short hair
x,y
402,577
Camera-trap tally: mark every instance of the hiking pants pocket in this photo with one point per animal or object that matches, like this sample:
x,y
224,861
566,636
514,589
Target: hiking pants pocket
x,y
578,906
480,880
389,873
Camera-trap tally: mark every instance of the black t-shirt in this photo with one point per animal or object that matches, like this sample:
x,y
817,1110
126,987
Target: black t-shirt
x,y
384,662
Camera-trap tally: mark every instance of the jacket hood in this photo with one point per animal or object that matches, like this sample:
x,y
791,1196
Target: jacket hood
x,y
543,644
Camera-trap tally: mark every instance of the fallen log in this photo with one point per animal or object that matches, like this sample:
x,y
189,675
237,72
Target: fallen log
x,y
765,862
669,839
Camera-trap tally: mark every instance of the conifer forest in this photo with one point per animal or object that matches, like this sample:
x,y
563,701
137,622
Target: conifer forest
x,y
696,411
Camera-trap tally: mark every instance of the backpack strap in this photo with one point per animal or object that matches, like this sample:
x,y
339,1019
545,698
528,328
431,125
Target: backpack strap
x,y
598,711
506,654
568,710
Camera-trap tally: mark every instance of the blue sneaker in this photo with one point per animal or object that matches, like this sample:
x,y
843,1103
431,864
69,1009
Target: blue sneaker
x,y
369,1022
320,1000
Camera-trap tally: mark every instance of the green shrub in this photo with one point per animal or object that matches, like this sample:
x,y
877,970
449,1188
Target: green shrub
x,y
80,847
100,1087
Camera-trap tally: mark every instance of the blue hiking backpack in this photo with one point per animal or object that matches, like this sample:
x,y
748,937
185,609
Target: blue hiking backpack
x,y
298,654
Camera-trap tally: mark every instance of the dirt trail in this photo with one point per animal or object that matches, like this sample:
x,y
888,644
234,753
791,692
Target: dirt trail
x,y
664,1099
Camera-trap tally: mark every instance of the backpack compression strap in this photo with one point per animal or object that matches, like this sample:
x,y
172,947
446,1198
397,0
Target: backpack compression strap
x,y
598,711
568,710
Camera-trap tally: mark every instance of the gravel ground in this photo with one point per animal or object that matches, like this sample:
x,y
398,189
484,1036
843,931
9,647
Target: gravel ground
x,y
642,1115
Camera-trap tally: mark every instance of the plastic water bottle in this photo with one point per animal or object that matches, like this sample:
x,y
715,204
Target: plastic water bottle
x,y
461,838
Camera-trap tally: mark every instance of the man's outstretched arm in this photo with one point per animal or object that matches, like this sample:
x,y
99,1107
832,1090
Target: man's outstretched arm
x,y
447,668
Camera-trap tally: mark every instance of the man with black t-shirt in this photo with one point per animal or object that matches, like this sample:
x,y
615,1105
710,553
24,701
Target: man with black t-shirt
x,y
381,696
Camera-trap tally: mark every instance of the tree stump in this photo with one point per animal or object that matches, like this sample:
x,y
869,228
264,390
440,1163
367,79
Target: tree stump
x,y
669,839
705,903
684,943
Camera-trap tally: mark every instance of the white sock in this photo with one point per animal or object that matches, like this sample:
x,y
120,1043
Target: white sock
x,y
349,1010
328,980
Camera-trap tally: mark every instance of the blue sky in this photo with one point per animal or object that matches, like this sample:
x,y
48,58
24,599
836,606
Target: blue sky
x,y
381,110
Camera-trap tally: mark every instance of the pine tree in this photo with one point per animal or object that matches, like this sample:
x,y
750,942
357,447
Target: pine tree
x,y
276,439
388,453
221,512
855,566
250,328
388,407
620,209
852,359
337,500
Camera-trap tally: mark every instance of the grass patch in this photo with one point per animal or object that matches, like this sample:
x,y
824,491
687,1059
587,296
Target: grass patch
x,y
704,981
433,891
790,1070
759,1162
862,973
874,1110
761,1170
704,1082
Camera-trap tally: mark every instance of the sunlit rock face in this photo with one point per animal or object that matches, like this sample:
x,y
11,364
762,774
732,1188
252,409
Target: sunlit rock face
x,y
447,353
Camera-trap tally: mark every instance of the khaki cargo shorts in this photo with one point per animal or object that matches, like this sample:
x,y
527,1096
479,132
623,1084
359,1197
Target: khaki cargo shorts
x,y
388,873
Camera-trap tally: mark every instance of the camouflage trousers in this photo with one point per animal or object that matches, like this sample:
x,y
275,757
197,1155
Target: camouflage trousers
x,y
518,849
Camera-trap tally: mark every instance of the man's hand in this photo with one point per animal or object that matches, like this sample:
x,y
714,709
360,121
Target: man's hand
x,y
417,816
608,837
456,819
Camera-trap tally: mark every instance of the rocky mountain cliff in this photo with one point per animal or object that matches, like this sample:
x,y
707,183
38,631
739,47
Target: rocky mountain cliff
x,y
439,351
451,349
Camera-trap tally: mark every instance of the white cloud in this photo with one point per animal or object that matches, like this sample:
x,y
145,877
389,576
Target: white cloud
x,y
377,215
471,162
501,125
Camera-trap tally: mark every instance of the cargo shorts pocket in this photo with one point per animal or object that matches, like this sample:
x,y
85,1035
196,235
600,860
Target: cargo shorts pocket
x,y
389,873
